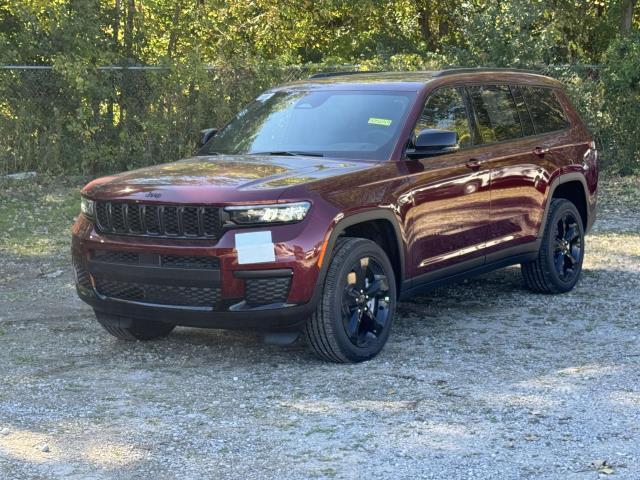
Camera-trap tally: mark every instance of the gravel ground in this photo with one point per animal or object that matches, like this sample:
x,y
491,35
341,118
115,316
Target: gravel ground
x,y
479,380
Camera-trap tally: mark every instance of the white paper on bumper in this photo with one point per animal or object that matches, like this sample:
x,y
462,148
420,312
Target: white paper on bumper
x,y
255,247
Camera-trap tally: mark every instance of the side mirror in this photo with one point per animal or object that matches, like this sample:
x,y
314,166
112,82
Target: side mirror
x,y
206,135
432,141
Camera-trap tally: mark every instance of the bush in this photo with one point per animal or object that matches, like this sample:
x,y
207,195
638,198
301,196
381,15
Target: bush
x,y
75,118
78,119
621,85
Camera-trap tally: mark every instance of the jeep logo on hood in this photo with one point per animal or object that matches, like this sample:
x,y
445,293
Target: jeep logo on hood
x,y
153,195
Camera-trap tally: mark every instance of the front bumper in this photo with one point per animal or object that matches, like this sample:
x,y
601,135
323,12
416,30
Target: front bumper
x,y
144,281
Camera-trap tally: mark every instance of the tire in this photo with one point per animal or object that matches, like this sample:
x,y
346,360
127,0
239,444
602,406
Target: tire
x,y
559,264
353,319
132,329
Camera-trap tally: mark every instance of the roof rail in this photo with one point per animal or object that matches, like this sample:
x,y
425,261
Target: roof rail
x,y
453,71
340,74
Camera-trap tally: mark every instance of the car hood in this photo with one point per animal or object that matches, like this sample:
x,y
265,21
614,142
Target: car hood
x,y
220,178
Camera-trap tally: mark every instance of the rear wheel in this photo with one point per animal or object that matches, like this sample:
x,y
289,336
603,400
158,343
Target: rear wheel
x,y
559,263
132,329
353,319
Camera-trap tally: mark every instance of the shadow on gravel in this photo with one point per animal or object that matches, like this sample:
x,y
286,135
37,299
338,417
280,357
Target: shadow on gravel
x,y
485,314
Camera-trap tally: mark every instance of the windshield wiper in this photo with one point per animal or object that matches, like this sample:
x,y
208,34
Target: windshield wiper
x,y
290,153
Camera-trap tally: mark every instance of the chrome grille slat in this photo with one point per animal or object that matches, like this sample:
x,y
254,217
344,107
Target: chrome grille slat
x,y
130,218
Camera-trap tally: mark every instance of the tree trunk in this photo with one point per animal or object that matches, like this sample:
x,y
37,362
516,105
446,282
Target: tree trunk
x,y
425,27
128,29
173,38
627,15
116,21
116,48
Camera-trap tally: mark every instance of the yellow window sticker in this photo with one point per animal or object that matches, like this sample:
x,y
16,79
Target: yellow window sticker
x,y
379,121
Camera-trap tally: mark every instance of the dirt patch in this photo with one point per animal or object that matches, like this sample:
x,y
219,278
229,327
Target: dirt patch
x,y
479,380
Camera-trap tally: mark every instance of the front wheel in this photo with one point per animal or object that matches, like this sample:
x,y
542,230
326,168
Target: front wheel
x,y
559,263
353,319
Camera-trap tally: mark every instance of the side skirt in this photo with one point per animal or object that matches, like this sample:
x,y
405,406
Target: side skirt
x,y
431,280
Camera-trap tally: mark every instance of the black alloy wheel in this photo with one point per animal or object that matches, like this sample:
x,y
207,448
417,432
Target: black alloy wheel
x,y
365,302
354,316
567,247
558,265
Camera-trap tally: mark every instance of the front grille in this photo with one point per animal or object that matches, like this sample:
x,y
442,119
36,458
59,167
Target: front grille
x,y
129,218
159,294
153,259
264,291
111,278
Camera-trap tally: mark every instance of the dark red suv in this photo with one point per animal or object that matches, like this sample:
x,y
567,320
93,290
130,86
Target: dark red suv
x,y
326,200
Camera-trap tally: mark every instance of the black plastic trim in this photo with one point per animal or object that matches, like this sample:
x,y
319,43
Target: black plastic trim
x,y
341,74
431,280
279,272
155,275
284,317
342,225
455,71
566,178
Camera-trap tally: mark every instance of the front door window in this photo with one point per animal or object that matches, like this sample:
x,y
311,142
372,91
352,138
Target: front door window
x,y
445,110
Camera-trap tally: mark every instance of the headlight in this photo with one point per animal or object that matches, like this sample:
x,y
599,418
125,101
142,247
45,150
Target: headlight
x,y
88,207
278,213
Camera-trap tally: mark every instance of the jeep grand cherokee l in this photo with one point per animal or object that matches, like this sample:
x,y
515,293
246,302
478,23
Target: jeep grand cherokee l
x,y
325,201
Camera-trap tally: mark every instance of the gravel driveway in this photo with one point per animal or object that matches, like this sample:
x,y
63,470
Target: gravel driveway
x,y
479,380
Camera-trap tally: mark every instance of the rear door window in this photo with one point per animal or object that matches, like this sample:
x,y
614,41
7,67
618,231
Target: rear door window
x,y
523,111
496,114
546,112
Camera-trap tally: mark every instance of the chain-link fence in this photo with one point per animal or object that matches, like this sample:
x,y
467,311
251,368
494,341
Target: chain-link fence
x,y
107,119
113,118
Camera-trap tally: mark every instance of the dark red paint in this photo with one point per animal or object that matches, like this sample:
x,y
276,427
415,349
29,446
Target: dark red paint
x,y
453,209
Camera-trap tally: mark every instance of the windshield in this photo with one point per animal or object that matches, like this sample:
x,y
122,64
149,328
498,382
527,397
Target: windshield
x,y
350,124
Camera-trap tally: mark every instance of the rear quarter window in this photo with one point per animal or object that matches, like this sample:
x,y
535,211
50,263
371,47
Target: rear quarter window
x,y
546,112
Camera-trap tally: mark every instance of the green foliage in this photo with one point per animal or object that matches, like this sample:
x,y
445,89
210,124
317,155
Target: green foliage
x,y
621,83
76,118
79,118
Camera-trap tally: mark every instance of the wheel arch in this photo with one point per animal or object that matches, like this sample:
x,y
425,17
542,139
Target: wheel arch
x,y
570,186
377,225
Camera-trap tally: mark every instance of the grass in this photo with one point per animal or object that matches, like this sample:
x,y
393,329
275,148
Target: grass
x,y
619,192
36,215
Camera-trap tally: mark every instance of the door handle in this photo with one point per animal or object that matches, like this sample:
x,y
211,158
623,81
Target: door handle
x,y
539,151
474,163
